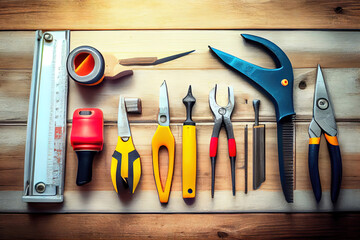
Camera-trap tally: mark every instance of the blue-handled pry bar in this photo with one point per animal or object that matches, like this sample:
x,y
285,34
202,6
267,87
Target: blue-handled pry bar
x,y
277,84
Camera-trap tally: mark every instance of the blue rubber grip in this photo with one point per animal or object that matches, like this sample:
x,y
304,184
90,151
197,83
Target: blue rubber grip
x,y
314,170
336,170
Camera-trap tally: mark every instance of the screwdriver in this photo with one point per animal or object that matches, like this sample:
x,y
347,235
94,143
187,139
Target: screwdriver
x,y
189,149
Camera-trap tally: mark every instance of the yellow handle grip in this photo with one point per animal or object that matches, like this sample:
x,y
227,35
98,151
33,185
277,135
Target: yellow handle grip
x,y
189,161
125,165
163,137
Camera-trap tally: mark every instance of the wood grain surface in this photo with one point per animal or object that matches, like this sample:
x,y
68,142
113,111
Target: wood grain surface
x,y
336,51
180,226
13,142
157,14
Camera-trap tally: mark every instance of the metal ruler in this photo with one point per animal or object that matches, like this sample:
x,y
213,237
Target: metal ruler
x,y
46,127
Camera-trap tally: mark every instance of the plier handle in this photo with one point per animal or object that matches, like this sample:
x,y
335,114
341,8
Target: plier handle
x,y
222,118
125,162
323,122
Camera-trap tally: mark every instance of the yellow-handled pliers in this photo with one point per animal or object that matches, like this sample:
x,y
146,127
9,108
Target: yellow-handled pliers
x,y
163,137
125,163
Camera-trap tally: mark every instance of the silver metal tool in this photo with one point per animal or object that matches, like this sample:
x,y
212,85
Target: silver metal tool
x,y
258,149
246,158
133,105
46,127
324,122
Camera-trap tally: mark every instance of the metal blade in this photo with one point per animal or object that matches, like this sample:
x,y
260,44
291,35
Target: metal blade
x,y
170,58
258,156
322,109
123,123
164,116
285,135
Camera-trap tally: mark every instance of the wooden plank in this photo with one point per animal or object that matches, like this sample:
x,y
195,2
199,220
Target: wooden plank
x,y
180,226
14,95
342,83
12,149
305,49
156,14
142,135
13,142
16,49
16,52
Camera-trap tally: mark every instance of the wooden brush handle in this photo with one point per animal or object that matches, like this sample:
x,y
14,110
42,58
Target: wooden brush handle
x,y
137,61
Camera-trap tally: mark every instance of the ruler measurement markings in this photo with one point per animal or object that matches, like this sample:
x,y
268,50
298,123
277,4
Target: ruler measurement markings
x,y
47,135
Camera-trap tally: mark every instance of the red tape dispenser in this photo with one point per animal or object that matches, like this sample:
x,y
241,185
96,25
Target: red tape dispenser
x,y
87,138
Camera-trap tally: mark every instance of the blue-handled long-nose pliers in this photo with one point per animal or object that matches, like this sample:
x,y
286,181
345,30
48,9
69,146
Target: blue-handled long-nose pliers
x,y
323,121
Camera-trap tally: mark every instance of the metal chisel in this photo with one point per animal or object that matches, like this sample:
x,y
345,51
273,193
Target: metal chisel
x,y
258,149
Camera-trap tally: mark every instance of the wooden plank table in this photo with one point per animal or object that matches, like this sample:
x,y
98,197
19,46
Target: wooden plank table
x,y
337,52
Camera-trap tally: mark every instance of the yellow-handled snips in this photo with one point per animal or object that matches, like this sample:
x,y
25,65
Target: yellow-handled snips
x,y
163,137
125,163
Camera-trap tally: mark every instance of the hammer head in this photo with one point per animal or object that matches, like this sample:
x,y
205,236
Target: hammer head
x,y
276,83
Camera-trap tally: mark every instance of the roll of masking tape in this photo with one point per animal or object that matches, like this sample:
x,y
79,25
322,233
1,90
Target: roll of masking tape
x,y
86,66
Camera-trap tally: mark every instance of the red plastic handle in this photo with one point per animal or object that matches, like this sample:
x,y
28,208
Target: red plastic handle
x,y
87,129
213,146
232,147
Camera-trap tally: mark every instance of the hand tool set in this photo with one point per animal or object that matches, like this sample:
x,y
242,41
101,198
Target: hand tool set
x,y
44,169
277,84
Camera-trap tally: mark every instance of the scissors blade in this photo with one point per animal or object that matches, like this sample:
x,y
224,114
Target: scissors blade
x,y
170,58
164,116
123,123
322,109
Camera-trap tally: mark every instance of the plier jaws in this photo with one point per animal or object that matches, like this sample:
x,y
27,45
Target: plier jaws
x,y
323,121
222,118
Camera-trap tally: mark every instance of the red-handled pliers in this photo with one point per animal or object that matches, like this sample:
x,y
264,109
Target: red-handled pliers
x,y
222,117
323,121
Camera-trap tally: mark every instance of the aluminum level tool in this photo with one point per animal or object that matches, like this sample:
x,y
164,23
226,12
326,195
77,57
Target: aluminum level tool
x,y
189,149
46,129
163,137
125,162
258,148
222,118
277,84
323,121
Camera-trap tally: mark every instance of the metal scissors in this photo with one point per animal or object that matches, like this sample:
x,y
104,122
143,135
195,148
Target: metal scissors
x,y
323,121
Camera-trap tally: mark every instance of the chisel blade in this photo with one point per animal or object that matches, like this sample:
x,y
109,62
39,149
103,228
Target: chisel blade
x,y
258,155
